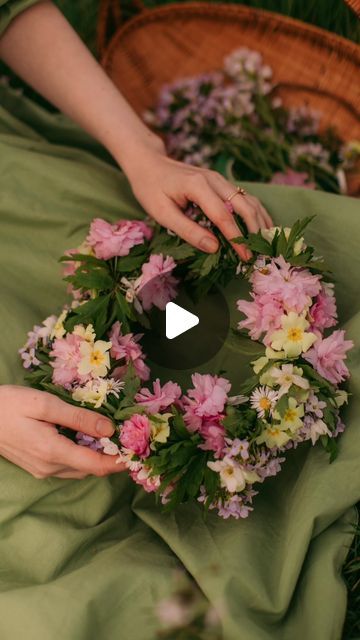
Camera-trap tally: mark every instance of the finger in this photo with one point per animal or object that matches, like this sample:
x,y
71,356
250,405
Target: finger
x,y
48,408
71,474
85,460
187,229
206,196
249,207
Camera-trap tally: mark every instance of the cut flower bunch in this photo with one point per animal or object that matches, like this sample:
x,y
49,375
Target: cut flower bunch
x,y
210,443
231,120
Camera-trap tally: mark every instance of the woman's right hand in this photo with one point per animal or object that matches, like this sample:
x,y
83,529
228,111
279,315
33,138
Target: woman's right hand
x,y
30,439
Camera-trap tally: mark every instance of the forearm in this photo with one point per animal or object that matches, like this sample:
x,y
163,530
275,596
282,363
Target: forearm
x,y
42,48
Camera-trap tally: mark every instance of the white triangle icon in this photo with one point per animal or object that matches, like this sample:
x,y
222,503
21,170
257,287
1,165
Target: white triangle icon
x,y
178,320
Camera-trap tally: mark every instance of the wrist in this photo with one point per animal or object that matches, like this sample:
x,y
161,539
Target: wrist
x,y
136,152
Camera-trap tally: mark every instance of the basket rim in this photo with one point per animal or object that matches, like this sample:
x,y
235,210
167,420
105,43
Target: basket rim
x,y
313,34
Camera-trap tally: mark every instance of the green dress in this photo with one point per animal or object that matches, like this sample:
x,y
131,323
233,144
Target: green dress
x,y
92,558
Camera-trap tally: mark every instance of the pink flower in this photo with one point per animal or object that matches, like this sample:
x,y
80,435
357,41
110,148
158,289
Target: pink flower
x,y
110,240
161,399
126,347
149,483
157,284
67,356
323,313
290,286
327,357
263,315
293,179
135,435
213,433
206,399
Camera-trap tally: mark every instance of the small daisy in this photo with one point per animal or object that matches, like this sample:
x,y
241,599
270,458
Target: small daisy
x,y
263,399
114,386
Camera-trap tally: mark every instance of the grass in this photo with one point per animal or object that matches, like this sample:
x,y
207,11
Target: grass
x,y
333,15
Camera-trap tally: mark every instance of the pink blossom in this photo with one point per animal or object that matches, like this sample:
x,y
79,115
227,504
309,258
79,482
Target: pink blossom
x,y
263,315
293,179
290,286
126,347
110,240
327,356
141,476
157,285
135,435
323,313
213,433
206,399
162,397
67,356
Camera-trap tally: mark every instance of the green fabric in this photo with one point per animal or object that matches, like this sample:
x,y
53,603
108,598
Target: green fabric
x,y
9,9
89,559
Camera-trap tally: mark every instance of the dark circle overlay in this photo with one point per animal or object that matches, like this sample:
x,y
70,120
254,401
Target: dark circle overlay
x,y
196,346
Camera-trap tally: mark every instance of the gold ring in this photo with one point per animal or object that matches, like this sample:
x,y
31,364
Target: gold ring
x,y
239,191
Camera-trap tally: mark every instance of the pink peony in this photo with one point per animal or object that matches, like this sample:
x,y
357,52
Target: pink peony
x,y
135,435
206,399
67,356
157,285
214,435
162,397
290,286
323,313
293,179
327,356
126,347
110,240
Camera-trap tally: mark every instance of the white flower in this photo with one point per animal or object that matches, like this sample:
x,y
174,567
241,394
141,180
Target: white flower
x,y
288,375
233,476
292,338
114,386
318,428
95,358
109,447
263,399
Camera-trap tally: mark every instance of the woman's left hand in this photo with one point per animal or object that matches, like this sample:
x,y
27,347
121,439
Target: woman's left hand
x,y
165,187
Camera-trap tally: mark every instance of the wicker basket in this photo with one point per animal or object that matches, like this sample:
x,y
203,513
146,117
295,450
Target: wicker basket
x,y
310,65
354,5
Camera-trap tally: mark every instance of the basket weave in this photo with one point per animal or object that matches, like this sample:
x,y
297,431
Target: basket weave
x,y
310,65
354,5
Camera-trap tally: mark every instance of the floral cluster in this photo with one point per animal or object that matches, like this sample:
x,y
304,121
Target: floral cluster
x,y
232,120
206,443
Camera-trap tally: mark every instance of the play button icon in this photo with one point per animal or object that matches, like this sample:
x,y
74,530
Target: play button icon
x,y
190,329
178,320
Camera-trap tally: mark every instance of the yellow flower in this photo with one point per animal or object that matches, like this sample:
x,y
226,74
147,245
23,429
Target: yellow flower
x,y
233,476
59,329
87,333
160,429
95,358
274,435
259,364
291,419
94,392
293,338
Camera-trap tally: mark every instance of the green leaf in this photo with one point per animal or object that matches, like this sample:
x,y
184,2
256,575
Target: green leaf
x,y
129,263
98,279
331,446
282,404
127,412
195,474
91,312
179,424
297,230
256,243
81,257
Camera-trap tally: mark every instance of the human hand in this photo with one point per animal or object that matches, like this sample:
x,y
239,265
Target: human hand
x,y
29,438
165,187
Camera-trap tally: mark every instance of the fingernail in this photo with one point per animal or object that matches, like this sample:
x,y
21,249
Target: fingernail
x,y
208,244
104,428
